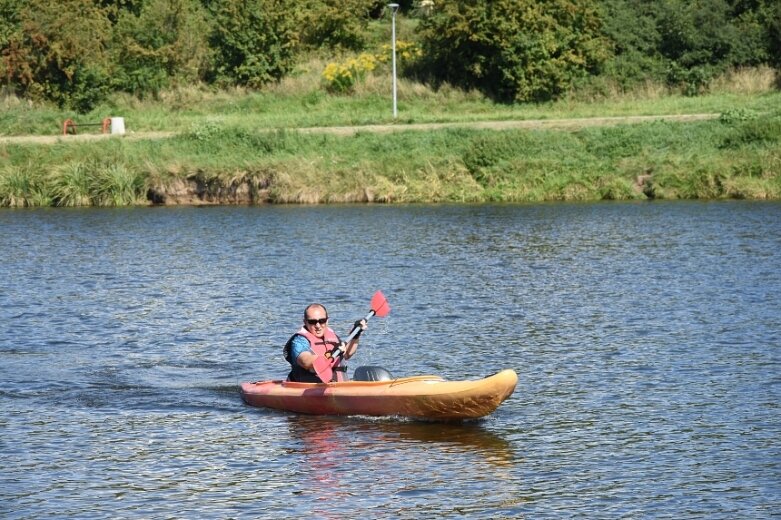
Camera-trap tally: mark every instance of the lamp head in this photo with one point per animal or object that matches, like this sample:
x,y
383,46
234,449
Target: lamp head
x,y
394,7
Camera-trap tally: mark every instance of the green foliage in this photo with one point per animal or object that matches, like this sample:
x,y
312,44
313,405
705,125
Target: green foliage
x,y
753,131
493,149
117,185
254,41
22,186
771,19
334,24
64,45
88,182
737,115
688,43
118,6
164,43
216,135
77,52
697,39
631,28
71,185
712,159
13,58
204,131
694,33
514,50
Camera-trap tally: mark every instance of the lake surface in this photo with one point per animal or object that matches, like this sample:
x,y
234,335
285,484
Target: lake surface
x,y
646,338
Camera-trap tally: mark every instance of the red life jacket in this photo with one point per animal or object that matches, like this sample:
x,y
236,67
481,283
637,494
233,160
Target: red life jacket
x,y
320,346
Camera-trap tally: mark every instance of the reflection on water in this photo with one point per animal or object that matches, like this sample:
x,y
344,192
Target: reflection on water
x,y
347,456
448,438
645,337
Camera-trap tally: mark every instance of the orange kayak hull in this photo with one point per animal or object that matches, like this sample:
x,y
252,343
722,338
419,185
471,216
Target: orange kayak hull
x,y
420,397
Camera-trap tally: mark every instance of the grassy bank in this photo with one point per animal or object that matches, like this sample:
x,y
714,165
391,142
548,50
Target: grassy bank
x,y
241,148
737,156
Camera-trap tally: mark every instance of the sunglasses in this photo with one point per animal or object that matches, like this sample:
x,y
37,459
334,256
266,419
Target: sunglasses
x,y
321,321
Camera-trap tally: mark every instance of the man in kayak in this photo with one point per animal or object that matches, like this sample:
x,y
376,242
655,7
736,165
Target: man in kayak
x,y
314,339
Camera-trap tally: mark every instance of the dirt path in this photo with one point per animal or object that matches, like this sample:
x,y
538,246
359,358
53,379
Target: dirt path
x,y
567,124
54,139
571,124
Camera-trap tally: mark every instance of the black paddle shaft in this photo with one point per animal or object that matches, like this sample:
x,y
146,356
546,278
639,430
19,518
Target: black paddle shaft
x,y
338,352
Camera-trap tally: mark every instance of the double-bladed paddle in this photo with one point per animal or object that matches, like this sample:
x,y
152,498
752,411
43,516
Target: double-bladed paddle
x,y
324,365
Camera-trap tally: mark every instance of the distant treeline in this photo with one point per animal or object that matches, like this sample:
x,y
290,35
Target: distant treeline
x,y
75,53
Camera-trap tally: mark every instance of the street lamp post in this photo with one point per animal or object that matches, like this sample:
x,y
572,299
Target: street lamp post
x,y
394,8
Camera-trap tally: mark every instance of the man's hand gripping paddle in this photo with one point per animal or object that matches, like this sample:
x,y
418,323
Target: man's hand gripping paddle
x,y
324,366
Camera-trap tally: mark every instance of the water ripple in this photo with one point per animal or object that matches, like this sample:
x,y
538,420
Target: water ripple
x,y
645,337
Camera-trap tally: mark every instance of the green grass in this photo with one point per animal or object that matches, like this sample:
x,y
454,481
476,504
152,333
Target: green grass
x,y
226,142
301,101
738,158
271,110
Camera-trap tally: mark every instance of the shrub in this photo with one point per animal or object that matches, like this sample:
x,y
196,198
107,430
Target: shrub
x,y
406,52
64,51
754,131
634,38
686,43
71,185
334,24
736,115
341,77
254,41
338,78
165,42
513,50
22,186
116,185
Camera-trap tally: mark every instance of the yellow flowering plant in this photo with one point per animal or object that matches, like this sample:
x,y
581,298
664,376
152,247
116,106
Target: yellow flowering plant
x,y
405,52
341,77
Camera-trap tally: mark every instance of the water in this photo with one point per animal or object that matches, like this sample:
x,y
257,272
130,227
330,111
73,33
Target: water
x,y
646,338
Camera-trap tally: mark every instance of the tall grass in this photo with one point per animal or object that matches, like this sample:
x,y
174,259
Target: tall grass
x,y
22,186
118,185
756,80
87,181
71,185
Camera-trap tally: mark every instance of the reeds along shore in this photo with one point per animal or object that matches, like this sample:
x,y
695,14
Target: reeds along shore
x,y
226,150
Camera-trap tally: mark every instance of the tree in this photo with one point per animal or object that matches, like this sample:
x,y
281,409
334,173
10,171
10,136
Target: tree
x,y
630,25
513,50
702,38
65,47
773,17
13,57
165,42
334,24
254,41
687,42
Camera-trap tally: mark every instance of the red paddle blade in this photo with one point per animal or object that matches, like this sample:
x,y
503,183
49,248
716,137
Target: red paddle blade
x,y
323,369
380,305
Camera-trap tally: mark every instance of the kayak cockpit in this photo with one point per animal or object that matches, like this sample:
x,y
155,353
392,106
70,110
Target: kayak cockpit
x,y
371,373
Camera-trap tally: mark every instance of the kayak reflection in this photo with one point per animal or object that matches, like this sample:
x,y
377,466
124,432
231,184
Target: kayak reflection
x,y
322,451
369,433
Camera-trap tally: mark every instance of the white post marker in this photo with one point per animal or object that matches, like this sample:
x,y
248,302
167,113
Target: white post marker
x,y
118,125
394,8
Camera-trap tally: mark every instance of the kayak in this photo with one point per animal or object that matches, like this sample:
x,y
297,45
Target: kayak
x,y
418,397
